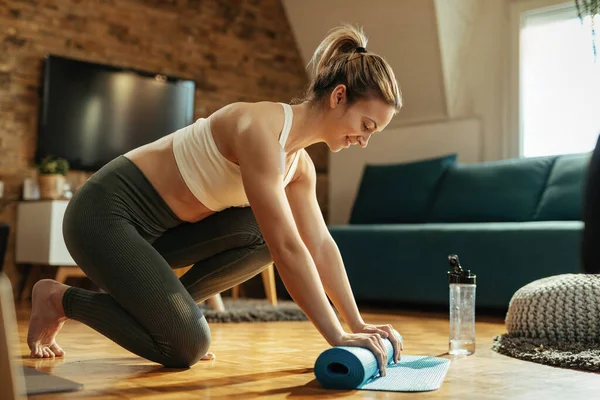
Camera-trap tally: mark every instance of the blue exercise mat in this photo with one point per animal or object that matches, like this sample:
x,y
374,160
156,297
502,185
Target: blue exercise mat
x,y
343,367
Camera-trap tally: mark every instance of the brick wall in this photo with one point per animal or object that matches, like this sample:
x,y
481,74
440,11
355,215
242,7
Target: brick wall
x,y
235,50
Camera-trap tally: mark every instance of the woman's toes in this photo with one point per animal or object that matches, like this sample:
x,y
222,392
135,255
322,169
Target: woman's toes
x,y
57,350
208,356
34,349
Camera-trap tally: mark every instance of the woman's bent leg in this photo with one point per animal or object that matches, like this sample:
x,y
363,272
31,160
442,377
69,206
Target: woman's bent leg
x,y
225,249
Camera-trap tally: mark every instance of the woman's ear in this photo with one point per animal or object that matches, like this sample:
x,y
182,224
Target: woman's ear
x,y
338,96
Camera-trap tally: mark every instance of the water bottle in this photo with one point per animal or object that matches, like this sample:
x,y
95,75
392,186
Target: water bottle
x,y
462,308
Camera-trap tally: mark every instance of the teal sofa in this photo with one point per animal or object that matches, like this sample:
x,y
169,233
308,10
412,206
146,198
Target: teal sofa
x,y
510,222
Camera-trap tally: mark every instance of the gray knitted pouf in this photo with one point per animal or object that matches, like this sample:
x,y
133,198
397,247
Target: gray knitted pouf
x,y
555,321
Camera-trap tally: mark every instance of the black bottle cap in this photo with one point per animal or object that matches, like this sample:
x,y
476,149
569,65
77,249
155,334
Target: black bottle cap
x,y
457,274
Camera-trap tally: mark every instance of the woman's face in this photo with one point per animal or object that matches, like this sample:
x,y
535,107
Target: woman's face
x,y
350,125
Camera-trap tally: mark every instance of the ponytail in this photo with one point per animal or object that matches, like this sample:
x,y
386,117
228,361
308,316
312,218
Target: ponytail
x,y
342,58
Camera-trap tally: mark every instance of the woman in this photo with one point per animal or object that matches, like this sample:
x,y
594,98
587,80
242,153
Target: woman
x,y
230,194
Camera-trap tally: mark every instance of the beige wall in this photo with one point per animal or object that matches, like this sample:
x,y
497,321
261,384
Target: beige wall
x,y
474,40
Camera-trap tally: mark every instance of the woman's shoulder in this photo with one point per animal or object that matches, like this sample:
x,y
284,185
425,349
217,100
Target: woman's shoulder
x,y
245,117
258,111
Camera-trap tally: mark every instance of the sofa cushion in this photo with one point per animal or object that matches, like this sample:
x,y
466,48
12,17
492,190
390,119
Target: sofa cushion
x,y
398,193
507,190
563,195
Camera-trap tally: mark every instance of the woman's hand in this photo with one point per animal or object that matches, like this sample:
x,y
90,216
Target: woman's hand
x,y
372,341
385,331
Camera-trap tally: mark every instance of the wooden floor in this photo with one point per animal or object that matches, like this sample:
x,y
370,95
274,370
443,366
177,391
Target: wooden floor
x,y
275,360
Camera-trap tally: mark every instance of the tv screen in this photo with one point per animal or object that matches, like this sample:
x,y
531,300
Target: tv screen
x,y
92,113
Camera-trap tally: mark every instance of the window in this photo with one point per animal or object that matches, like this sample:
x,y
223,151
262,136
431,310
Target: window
x,y
560,83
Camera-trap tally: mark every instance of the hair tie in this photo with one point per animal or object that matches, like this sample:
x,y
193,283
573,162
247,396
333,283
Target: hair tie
x,y
361,50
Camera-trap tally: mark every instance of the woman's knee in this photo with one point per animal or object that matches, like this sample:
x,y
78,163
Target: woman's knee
x,y
189,342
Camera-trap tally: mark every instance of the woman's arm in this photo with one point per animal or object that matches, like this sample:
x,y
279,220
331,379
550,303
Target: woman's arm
x,y
324,251
259,159
301,193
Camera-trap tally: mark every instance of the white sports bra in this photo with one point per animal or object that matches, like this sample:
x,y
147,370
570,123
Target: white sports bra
x,y
213,179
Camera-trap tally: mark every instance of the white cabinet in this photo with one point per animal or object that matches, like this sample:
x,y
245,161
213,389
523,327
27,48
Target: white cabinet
x,y
39,237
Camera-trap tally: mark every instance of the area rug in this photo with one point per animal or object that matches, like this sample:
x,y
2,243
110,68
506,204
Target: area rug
x,y
254,310
580,356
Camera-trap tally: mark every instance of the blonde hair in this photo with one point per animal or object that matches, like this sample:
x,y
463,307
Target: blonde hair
x,y
342,58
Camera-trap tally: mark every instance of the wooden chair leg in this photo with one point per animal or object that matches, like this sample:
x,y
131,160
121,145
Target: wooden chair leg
x,y
268,278
63,273
235,292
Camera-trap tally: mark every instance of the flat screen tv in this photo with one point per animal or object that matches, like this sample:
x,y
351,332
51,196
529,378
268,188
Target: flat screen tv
x,y
92,113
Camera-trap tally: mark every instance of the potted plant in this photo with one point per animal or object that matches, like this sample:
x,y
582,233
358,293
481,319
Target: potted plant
x,y
589,8
52,173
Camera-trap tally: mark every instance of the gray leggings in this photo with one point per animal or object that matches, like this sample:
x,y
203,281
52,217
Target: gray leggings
x,y
128,241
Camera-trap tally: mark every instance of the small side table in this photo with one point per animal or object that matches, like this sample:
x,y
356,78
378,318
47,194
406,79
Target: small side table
x,y
39,241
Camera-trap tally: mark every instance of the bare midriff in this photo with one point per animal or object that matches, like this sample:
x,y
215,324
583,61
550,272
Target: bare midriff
x,y
157,161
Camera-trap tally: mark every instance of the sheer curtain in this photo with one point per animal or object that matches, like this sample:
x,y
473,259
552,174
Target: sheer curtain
x,y
560,84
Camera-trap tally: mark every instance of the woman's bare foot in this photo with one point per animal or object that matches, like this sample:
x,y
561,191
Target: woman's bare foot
x,y
47,317
208,356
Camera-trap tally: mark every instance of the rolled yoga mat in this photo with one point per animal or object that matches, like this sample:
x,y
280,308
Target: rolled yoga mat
x,y
344,367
